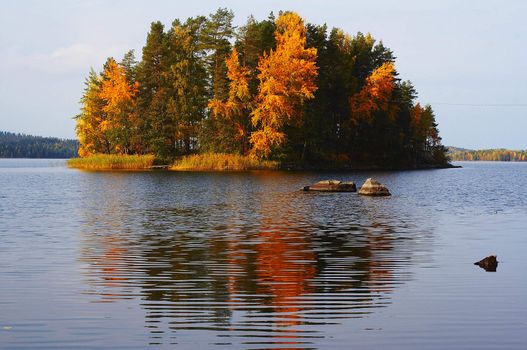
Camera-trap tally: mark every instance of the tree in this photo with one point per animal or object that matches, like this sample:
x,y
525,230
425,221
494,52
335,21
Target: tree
x,y
187,86
255,38
288,91
107,120
232,116
26,146
287,79
91,137
153,64
252,40
118,96
374,119
228,127
217,33
375,95
129,65
321,139
152,94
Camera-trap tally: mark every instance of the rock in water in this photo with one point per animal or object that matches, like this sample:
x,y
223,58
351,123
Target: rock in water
x,y
489,264
373,187
332,186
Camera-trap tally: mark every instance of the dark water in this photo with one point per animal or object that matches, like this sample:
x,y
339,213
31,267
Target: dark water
x,y
161,260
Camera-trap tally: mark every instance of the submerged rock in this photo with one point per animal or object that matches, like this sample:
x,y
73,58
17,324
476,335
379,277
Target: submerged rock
x,y
373,187
489,264
332,186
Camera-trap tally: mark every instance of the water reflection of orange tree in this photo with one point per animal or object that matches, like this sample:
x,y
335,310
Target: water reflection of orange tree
x,y
108,266
380,265
285,265
195,271
106,243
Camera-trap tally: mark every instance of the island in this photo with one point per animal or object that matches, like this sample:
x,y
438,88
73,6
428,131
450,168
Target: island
x,y
275,93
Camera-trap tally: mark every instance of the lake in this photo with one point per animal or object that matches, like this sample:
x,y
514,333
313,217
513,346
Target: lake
x,y
168,260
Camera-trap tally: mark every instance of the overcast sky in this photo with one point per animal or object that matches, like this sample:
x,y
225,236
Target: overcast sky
x,y
466,58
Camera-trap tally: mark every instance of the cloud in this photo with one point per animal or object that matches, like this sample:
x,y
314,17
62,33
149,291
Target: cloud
x,y
71,57
61,61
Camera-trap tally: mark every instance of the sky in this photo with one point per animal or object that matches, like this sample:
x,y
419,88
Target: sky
x,y
466,58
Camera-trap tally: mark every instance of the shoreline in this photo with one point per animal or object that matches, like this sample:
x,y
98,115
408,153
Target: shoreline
x,y
216,162
169,168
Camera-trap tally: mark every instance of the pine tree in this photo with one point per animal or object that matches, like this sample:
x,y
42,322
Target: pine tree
x,y
217,33
187,86
152,94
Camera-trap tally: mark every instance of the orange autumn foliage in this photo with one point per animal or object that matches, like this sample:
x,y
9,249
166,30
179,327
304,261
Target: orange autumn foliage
x,y
259,91
115,89
91,137
422,123
287,78
286,264
107,117
417,122
375,94
239,78
235,110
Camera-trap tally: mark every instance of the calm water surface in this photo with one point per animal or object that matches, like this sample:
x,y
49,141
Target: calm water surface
x,y
162,260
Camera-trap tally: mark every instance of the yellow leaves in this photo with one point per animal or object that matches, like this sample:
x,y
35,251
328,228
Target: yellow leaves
x,y
422,123
239,78
115,90
417,123
105,125
240,131
289,25
416,114
375,94
107,111
86,149
235,110
239,94
287,78
264,140
83,152
381,81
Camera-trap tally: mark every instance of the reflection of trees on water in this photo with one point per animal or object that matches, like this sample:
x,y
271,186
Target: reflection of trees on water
x,y
276,268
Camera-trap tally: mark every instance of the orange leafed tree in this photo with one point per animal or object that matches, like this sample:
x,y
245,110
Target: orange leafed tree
x,y
118,95
418,124
115,89
234,112
108,122
91,137
287,78
375,94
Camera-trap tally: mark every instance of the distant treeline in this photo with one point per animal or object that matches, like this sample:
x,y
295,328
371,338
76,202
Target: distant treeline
x,y
503,155
26,146
277,89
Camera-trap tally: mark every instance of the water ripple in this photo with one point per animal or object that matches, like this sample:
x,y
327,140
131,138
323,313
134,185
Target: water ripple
x,y
245,260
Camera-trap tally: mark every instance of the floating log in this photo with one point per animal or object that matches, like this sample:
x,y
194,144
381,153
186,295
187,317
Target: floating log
x,y
332,186
373,187
489,264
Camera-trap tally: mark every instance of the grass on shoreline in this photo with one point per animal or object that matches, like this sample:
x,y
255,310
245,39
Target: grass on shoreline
x,y
113,161
222,162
